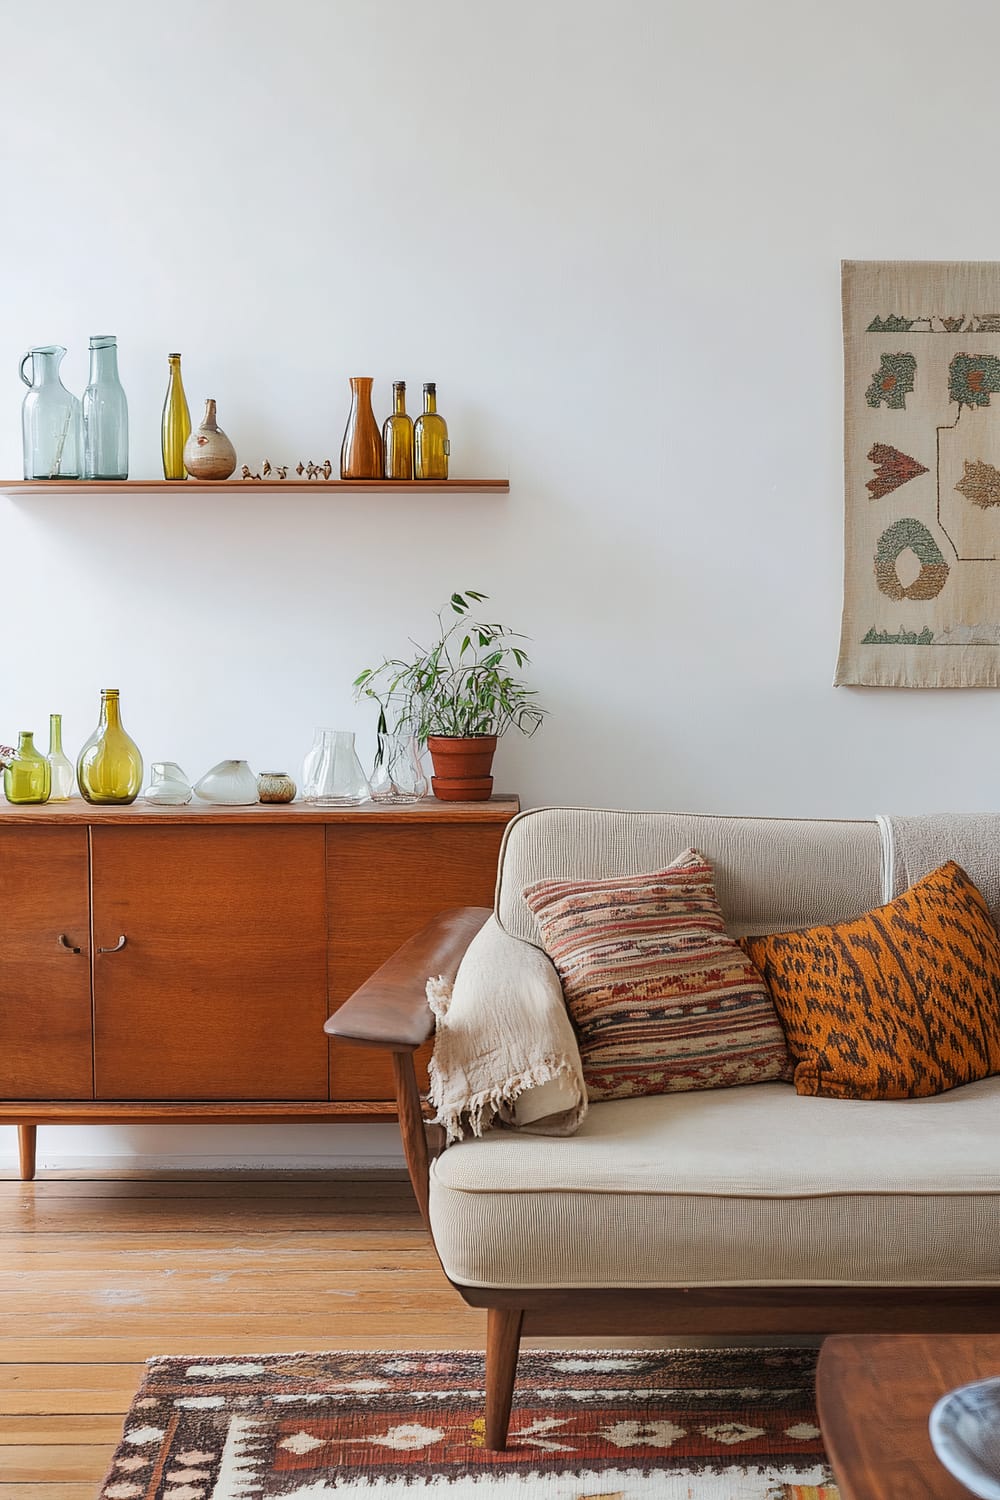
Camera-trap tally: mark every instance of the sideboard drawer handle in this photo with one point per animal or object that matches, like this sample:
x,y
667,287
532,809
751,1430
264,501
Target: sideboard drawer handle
x,y
65,943
117,948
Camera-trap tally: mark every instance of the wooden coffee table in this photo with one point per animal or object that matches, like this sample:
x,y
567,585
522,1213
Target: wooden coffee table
x,y
875,1393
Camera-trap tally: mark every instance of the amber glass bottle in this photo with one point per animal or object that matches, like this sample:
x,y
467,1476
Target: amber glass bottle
x,y
109,767
397,436
430,435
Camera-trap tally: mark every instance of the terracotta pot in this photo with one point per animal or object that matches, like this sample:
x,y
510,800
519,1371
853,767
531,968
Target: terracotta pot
x,y
462,767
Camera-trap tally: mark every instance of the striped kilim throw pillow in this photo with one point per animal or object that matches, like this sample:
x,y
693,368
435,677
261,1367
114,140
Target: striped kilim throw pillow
x,y
663,1000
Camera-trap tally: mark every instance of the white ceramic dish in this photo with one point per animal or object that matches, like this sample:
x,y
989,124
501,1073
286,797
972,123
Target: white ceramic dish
x,y
965,1432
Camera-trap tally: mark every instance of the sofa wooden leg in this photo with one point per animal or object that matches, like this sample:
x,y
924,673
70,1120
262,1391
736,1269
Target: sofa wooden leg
x,y
503,1339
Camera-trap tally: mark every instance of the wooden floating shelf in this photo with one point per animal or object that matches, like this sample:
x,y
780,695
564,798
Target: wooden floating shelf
x,y
190,486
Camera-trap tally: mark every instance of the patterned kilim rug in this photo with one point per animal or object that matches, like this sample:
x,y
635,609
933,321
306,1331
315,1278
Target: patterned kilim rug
x,y
720,1424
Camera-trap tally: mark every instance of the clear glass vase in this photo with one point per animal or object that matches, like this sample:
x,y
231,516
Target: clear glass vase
x,y
105,414
50,418
332,774
168,784
63,774
398,776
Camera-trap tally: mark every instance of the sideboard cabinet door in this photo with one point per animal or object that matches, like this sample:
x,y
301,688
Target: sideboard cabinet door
x,y
219,988
45,1037
385,884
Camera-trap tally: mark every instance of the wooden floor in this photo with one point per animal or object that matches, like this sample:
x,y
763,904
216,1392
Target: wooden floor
x,y
99,1273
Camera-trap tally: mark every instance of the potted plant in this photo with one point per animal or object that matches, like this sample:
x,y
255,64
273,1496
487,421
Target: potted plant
x,y
457,695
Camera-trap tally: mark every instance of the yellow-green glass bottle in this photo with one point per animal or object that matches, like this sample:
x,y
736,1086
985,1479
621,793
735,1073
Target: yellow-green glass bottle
x,y
397,436
175,428
430,435
109,767
28,776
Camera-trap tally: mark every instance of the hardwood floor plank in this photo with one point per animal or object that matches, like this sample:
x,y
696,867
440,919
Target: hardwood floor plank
x,y
29,1465
55,1491
59,1429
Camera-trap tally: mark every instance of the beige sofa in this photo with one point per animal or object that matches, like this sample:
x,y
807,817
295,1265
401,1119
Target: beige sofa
x,y
738,1211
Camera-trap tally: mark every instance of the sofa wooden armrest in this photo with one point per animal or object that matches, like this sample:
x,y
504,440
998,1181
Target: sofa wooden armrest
x,y
390,1012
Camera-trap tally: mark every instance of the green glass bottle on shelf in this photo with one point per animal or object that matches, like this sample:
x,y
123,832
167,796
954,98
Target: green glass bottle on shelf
x,y
63,775
175,429
28,776
430,433
397,436
109,767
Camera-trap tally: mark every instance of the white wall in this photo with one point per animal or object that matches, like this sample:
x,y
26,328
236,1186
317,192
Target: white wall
x,y
612,233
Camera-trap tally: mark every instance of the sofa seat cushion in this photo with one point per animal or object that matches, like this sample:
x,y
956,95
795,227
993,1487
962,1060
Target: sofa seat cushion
x,y
741,1187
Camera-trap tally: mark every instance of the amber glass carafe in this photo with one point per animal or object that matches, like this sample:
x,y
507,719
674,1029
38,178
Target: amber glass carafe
x,y
109,767
397,436
361,454
175,428
430,434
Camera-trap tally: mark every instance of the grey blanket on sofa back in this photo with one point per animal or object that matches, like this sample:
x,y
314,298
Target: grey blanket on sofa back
x,y
912,847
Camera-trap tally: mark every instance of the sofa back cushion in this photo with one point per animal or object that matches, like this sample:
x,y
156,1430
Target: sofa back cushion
x,y
900,1003
770,873
662,999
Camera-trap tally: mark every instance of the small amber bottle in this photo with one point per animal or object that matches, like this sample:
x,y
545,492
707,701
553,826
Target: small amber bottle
x,y
397,436
430,433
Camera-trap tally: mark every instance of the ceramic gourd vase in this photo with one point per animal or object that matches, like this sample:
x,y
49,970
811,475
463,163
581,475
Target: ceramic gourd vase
x,y
361,453
208,453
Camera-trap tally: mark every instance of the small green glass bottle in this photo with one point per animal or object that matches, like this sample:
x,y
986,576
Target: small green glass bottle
x,y
28,777
109,767
175,428
397,436
430,432
63,775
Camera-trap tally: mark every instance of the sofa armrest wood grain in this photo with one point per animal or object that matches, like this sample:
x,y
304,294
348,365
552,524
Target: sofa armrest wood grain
x,y
390,1012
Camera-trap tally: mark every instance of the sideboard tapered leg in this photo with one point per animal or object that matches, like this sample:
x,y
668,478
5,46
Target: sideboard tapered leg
x,y
26,1136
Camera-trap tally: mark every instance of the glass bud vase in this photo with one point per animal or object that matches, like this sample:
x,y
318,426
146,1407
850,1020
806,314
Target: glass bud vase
x,y
63,775
50,418
105,414
175,424
109,767
361,452
332,776
397,776
27,775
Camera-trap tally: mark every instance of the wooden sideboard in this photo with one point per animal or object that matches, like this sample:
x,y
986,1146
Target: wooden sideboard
x,y
176,964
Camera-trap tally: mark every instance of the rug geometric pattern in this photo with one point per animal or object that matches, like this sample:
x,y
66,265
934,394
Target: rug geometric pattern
x,y
732,1424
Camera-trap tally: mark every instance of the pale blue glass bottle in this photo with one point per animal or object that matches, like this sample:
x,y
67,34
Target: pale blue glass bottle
x,y
105,414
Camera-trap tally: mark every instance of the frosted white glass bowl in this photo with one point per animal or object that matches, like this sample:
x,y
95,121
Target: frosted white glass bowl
x,y
965,1432
230,784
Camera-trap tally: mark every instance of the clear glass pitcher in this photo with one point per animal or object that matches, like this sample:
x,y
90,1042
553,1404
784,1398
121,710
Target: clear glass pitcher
x,y
50,418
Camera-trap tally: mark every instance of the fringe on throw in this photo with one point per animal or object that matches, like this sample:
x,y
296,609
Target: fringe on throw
x,y
478,1111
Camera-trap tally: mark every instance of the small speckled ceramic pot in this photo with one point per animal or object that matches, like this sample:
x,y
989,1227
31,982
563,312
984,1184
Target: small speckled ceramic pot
x,y
275,786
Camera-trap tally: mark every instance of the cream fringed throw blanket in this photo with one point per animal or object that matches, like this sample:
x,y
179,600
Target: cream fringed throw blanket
x,y
505,1048
912,847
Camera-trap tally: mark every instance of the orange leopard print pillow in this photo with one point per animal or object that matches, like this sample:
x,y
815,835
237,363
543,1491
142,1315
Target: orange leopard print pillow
x,y
902,1002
